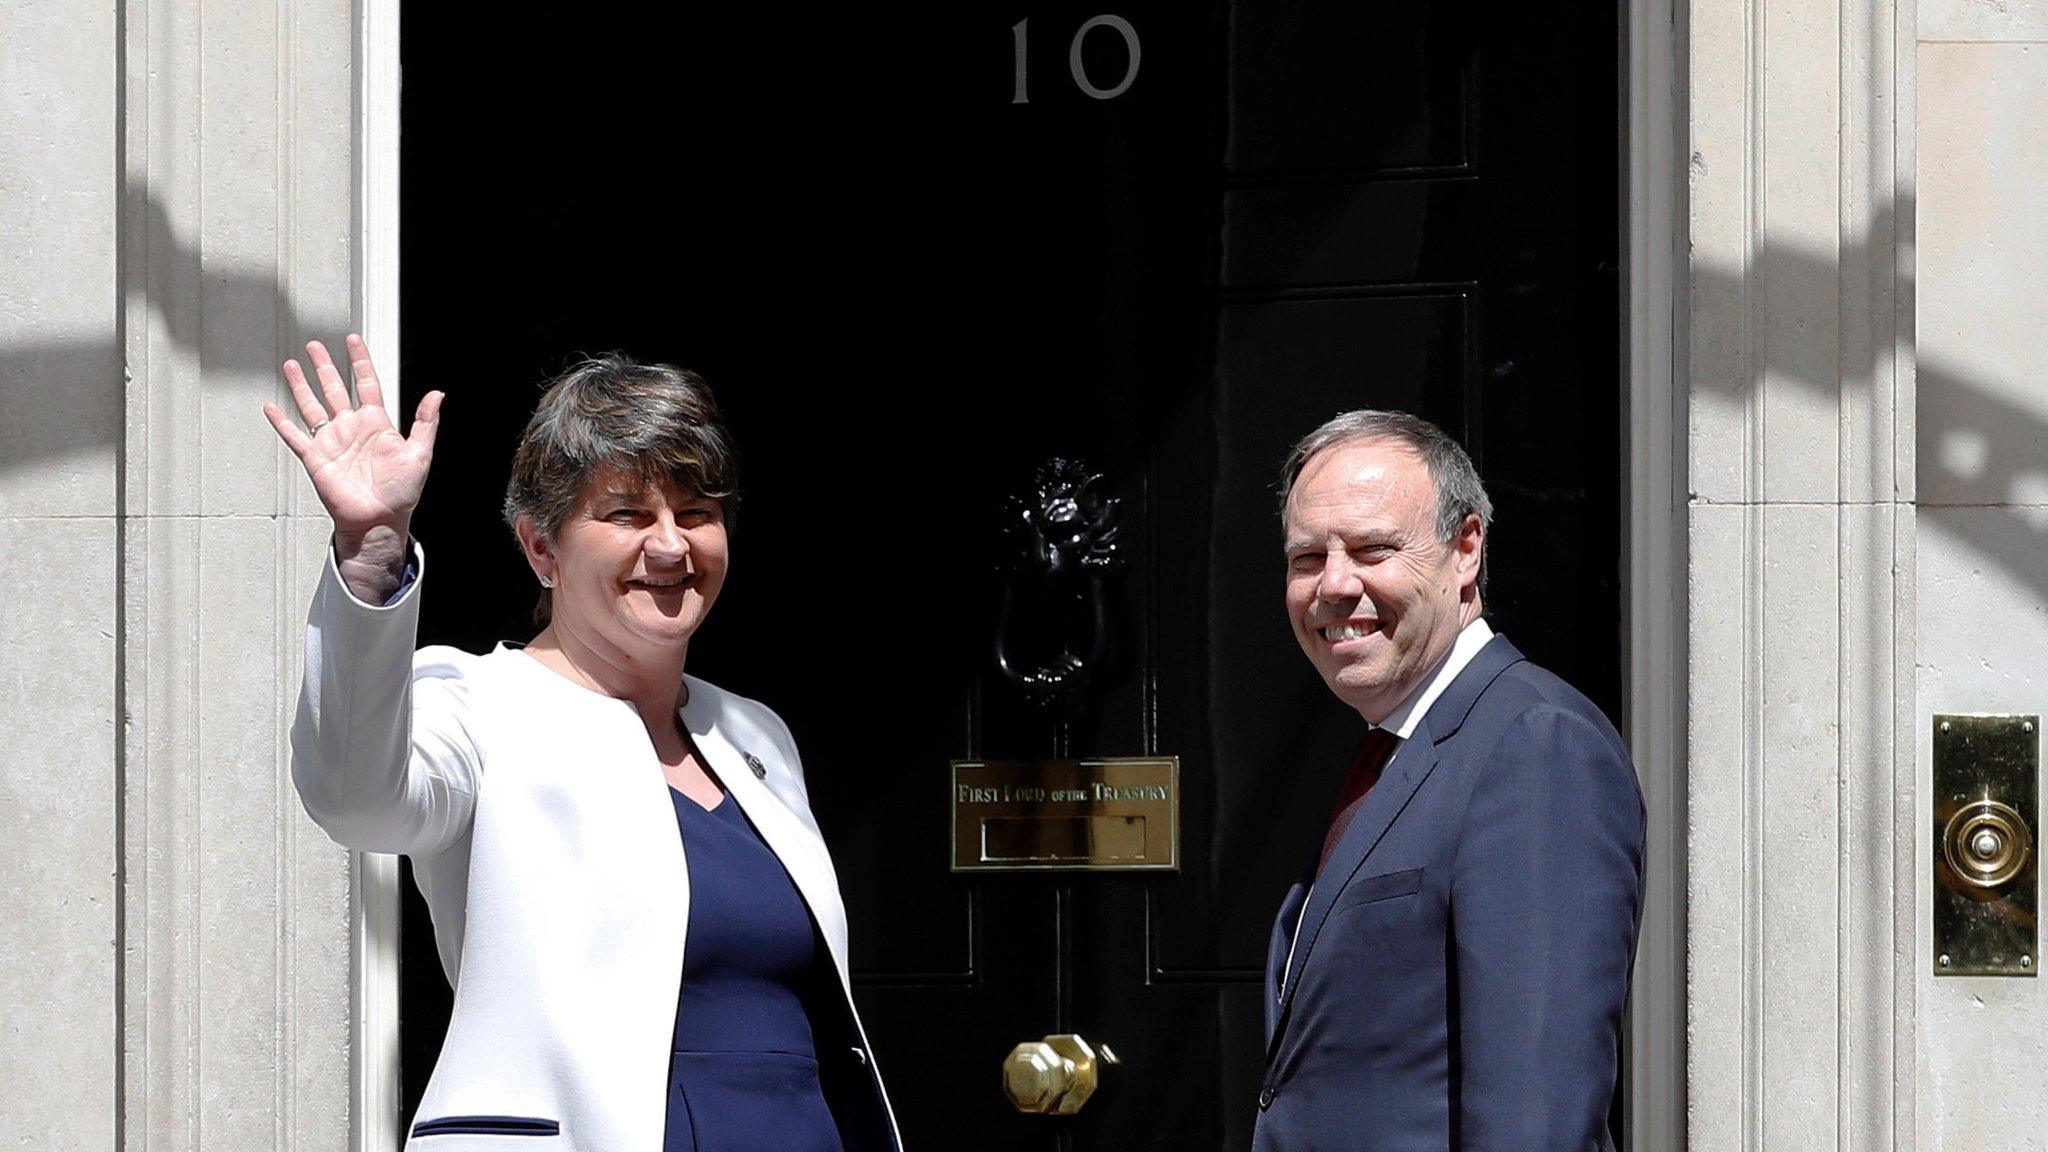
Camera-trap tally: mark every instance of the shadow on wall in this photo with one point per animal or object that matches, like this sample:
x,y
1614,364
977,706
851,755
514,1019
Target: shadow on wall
x,y
1987,451
1974,445
62,398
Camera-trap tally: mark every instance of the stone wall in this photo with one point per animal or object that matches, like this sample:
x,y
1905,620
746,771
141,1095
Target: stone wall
x,y
177,190
1983,550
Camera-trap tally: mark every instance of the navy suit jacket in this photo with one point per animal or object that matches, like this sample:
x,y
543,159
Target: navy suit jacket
x,y
1463,963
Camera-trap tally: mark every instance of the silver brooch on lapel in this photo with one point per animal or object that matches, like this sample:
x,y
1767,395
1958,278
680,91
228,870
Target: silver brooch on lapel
x,y
754,762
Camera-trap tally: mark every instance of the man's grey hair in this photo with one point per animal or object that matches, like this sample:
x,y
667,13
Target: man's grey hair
x,y
1459,492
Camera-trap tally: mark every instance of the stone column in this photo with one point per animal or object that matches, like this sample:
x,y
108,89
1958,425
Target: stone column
x,y
1801,597
236,242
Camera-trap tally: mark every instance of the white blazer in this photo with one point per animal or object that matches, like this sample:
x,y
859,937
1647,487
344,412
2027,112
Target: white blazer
x,y
541,832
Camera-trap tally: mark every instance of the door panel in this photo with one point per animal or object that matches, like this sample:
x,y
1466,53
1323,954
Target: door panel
x,y
1355,89
909,290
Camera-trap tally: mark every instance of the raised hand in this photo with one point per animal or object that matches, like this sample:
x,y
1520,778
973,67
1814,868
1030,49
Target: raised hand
x,y
367,475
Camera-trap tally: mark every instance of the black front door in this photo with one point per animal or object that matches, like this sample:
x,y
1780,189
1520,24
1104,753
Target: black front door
x,y
920,251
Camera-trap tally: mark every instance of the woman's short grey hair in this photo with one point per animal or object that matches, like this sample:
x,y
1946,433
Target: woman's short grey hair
x,y
1459,492
650,422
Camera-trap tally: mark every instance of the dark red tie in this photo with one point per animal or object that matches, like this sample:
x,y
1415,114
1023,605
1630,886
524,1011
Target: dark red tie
x,y
1373,753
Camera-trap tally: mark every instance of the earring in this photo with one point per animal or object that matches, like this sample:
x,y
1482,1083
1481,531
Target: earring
x,y
546,583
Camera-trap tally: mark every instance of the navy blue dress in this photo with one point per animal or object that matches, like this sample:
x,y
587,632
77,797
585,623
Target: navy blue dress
x,y
743,1073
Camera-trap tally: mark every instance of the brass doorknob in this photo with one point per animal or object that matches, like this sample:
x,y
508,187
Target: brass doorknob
x,y
1053,1076
1986,843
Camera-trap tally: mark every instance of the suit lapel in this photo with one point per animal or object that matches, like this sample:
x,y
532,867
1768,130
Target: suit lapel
x,y
1277,948
802,853
1448,714
1410,767
1412,764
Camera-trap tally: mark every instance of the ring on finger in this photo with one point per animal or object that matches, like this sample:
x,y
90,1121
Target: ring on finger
x,y
315,429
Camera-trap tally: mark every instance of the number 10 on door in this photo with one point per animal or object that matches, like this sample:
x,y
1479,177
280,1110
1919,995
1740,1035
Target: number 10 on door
x,y
1021,93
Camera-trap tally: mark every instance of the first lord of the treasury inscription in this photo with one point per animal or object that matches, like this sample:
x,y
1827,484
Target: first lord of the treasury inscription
x,y
1113,814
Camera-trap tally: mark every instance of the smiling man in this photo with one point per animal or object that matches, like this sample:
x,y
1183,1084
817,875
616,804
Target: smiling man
x,y
1452,974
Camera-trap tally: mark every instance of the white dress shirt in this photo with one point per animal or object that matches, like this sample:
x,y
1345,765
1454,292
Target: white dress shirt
x,y
1402,720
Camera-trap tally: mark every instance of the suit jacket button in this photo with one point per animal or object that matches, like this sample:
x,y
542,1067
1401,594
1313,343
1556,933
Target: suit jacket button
x,y
1266,1097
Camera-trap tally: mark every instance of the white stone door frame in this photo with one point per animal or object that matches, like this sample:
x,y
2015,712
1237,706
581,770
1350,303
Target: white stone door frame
x,y
1797,371
375,1093
1652,356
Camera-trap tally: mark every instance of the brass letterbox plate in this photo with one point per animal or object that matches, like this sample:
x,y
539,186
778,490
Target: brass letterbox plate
x,y
1113,814
1986,841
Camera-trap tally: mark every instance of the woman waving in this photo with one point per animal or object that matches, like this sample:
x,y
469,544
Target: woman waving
x,y
630,895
